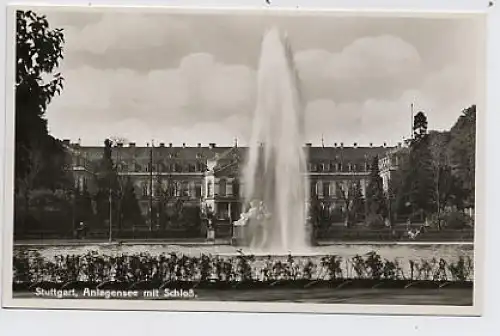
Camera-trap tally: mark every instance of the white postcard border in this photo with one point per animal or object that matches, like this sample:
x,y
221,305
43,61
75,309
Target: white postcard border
x,y
234,306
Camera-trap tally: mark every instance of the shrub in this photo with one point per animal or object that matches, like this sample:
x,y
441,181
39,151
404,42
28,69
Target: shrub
x,y
461,270
333,265
457,220
358,265
375,221
374,264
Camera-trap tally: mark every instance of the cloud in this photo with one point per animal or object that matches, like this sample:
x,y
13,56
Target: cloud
x,y
377,120
199,90
126,31
371,66
361,93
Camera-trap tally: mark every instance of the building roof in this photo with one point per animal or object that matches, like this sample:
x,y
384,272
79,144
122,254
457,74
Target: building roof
x,y
223,154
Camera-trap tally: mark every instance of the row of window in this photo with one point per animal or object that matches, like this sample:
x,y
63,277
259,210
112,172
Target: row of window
x,y
172,189
162,167
225,188
339,167
328,189
194,189
201,166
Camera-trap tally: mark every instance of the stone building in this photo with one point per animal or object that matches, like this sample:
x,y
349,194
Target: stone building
x,y
209,176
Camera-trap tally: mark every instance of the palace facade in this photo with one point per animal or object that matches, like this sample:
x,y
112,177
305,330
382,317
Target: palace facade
x,y
209,176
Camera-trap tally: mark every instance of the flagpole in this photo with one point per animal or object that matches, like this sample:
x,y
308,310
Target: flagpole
x,y
411,121
110,216
151,187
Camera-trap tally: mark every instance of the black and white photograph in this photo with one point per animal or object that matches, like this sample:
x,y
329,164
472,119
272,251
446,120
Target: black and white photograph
x,y
254,160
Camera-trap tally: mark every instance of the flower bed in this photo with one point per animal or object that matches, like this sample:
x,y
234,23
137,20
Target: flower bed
x,y
145,271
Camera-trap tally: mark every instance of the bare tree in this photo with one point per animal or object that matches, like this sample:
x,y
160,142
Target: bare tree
x,y
350,193
167,190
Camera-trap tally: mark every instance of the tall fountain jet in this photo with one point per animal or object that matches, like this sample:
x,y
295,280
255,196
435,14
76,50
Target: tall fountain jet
x,y
274,176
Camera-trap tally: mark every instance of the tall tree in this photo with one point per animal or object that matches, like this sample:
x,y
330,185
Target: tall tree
x,y
462,151
39,51
422,195
316,216
420,125
166,188
84,210
40,159
131,211
448,189
107,195
375,197
358,202
399,188
350,193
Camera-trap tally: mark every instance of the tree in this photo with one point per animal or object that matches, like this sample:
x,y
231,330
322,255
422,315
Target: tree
x,y
316,217
350,193
375,197
462,151
448,189
438,171
166,188
39,51
40,159
131,211
108,186
421,175
398,193
26,183
419,126
358,202
84,210
50,210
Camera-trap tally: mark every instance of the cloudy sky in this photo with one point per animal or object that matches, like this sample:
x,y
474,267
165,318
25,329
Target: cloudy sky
x,y
190,78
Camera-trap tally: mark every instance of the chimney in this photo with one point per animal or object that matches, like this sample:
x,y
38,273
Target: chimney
x,y
170,145
212,145
66,142
162,144
183,145
131,144
199,145
371,144
355,144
